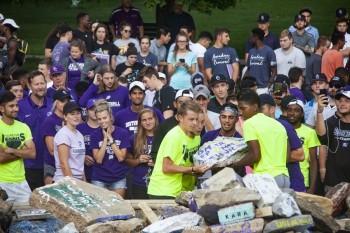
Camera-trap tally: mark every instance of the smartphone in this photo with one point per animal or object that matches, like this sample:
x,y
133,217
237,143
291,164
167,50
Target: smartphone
x,y
182,60
324,92
277,89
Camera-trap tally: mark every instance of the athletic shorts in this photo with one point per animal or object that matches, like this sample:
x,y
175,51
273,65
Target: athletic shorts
x,y
120,184
17,192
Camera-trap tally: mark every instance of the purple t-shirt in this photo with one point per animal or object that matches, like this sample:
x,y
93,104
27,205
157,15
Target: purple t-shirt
x,y
110,170
133,17
51,125
117,100
74,72
33,115
295,176
140,170
86,131
60,52
127,119
211,135
51,90
298,94
76,156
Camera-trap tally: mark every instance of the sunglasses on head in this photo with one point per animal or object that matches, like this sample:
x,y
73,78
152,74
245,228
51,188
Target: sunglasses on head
x,y
127,31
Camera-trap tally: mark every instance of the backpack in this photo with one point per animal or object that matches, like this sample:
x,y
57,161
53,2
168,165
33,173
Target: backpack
x,y
22,49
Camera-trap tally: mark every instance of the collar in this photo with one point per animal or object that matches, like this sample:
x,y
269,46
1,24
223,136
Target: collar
x,y
34,105
159,46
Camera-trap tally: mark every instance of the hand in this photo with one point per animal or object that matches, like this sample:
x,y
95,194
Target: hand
x,y
201,168
127,71
8,150
89,161
125,49
109,133
150,163
62,87
97,79
322,176
178,63
95,58
91,74
322,102
105,136
311,191
144,158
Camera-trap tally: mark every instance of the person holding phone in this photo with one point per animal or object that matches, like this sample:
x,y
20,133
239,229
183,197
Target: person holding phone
x,y
181,63
280,89
138,155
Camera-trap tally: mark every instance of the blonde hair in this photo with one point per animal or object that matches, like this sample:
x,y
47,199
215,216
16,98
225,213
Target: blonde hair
x,y
285,33
102,87
102,105
140,138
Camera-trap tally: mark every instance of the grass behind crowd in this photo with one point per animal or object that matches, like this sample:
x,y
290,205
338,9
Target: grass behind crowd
x,y
37,21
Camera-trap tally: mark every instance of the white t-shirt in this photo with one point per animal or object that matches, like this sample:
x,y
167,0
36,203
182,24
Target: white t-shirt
x,y
214,119
328,111
49,84
199,50
285,61
76,157
121,44
149,98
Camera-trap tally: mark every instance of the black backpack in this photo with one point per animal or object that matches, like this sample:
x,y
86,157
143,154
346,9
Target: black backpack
x,y
22,48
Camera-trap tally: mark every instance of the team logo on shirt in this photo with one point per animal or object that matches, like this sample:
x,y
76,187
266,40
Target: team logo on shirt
x,y
290,62
302,139
108,97
273,63
80,144
48,113
13,140
345,144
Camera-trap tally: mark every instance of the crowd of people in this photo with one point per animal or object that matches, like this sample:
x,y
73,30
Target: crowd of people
x,y
129,114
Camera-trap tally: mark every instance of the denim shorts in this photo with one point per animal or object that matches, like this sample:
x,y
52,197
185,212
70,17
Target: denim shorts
x,y
120,184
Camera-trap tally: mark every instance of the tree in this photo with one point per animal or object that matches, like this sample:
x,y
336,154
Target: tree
x,y
164,7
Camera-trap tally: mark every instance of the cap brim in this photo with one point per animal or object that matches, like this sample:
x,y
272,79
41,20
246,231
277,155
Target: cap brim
x,y
72,109
200,94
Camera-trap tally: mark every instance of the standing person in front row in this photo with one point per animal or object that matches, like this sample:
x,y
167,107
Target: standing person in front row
x,y
138,155
108,144
106,86
69,149
49,128
86,128
15,145
181,64
175,155
266,139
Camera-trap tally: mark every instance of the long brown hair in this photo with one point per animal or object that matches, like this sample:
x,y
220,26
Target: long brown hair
x,y
101,25
140,138
107,69
54,30
177,47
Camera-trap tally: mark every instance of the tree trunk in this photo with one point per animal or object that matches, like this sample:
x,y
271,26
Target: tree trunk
x,y
161,11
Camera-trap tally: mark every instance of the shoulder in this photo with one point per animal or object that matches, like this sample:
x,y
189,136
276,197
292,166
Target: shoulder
x,y
120,131
135,10
116,10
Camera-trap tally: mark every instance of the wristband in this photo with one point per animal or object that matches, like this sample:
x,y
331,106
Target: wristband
x,y
322,170
319,111
111,142
192,171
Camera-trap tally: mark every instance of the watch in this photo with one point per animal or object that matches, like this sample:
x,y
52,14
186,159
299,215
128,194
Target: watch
x,y
111,142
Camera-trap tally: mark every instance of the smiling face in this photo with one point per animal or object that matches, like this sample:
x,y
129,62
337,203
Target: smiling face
x,y
181,42
10,109
75,52
344,105
294,114
38,86
104,119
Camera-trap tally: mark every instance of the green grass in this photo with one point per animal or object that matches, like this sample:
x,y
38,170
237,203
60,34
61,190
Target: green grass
x,y
37,21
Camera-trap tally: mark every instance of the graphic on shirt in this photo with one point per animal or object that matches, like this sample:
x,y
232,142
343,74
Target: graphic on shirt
x,y
132,76
340,134
87,140
290,62
188,154
100,51
221,59
257,60
131,126
56,54
73,67
109,149
13,140
302,140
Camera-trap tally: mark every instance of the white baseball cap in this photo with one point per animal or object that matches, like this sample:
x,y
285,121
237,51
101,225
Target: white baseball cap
x,y
184,92
137,84
2,17
10,22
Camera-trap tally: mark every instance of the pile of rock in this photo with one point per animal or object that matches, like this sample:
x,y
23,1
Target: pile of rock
x,y
5,211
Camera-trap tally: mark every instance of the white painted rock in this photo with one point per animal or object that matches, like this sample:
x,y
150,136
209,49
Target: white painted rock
x,y
223,180
285,206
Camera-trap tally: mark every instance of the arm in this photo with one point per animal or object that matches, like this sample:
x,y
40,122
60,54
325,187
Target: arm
x,y
246,57
273,71
48,53
100,153
170,168
12,50
49,144
63,153
193,35
171,69
297,155
313,170
27,152
345,52
208,72
112,29
141,31
6,157
320,125
253,156
89,94
322,158
246,72
130,160
235,67
200,61
288,151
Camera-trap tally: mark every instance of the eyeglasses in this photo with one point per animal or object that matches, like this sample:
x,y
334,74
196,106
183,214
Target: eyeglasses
x,y
128,31
337,86
181,41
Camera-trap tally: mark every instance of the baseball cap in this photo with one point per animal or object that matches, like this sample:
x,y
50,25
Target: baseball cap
x,y
70,106
90,103
266,99
341,93
301,104
340,12
137,84
56,69
197,78
201,90
185,92
319,77
305,9
64,28
285,101
217,78
263,18
337,80
2,17
299,17
161,75
61,95
10,22
281,78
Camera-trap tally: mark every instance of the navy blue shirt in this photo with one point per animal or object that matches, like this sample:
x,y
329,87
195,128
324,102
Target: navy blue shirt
x,y
33,115
270,40
211,135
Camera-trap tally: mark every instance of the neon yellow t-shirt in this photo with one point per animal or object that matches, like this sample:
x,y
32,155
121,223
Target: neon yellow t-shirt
x,y
272,138
179,148
13,136
309,139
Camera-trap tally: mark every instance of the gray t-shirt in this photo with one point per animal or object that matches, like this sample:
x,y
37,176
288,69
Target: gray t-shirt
x,y
60,52
285,61
159,51
328,111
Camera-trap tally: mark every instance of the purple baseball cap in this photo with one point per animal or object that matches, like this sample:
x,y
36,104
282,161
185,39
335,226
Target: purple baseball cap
x,y
56,69
90,103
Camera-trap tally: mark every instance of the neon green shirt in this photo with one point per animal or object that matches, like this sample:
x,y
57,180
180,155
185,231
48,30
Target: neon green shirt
x,y
309,139
13,136
179,148
272,138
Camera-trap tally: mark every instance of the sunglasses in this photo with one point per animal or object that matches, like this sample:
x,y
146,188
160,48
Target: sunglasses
x,y
337,86
128,31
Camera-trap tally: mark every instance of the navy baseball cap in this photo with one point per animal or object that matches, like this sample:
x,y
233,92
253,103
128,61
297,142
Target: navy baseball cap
x,y
266,99
263,18
281,78
71,106
299,17
319,77
217,78
340,12
197,78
